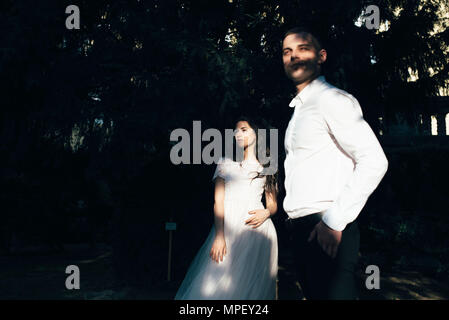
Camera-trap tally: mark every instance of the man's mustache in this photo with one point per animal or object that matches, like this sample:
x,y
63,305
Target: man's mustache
x,y
299,63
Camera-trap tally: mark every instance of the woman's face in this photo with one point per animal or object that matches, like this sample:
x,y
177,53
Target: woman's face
x,y
244,134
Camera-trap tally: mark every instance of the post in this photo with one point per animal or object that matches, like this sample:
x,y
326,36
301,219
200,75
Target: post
x,y
170,227
170,239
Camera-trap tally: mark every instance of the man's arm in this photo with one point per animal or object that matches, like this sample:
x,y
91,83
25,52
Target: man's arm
x,y
344,120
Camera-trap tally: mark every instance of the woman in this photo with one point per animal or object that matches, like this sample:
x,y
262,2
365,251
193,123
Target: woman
x,y
239,258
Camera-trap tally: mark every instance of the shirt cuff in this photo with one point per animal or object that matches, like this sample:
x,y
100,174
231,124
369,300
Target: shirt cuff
x,y
332,219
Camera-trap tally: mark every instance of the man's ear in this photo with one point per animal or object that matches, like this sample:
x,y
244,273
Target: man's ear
x,y
322,56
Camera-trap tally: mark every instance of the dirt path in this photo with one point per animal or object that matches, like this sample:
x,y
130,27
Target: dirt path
x,y
40,275
398,285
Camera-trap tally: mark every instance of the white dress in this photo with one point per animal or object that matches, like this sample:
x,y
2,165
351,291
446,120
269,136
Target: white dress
x,y
249,269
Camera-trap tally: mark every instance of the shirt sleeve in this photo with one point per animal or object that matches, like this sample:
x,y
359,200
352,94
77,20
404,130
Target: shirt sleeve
x,y
220,169
344,120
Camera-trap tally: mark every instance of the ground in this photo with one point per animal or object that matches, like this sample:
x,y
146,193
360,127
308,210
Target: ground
x,y
36,274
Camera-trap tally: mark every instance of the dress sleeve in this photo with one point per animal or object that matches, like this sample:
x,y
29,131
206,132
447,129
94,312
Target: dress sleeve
x,y
220,169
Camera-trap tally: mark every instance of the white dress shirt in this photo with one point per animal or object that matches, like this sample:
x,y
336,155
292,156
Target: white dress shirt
x,y
333,159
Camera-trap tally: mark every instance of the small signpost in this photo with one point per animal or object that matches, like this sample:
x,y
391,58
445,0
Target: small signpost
x,y
170,227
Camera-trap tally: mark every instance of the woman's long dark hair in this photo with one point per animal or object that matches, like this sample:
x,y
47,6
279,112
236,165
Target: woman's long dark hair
x,y
271,182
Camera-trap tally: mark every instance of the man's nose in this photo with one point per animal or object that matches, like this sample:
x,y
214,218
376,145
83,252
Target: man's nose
x,y
294,55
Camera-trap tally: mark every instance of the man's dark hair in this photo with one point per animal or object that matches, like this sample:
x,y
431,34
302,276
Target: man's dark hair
x,y
303,30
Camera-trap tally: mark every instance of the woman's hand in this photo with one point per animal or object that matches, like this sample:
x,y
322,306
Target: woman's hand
x,y
259,217
218,250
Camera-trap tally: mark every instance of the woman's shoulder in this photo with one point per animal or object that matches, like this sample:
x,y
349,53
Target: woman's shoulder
x,y
224,161
222,167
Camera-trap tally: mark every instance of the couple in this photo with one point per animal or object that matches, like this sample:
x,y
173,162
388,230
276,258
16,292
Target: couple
x,y
333,163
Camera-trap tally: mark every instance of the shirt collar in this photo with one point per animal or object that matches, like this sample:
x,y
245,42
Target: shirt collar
x,y
305,93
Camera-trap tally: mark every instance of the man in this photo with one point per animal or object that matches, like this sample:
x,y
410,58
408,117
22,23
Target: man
x,y
333,163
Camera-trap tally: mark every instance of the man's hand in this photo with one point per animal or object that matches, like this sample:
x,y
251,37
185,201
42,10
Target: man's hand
x,y
329,239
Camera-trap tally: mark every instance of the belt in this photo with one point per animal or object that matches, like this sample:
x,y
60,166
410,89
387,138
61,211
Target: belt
x,y
310,218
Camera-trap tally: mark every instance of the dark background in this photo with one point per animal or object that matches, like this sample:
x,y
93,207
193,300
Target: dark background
x,y
86,116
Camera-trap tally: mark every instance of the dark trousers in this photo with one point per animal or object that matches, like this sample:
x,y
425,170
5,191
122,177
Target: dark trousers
x,y
320,276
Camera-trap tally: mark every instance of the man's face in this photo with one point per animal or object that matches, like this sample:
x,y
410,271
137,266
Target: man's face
x,y
301,57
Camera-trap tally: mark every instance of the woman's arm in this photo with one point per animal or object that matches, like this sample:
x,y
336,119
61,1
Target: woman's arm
x,y
219,207
218,250
271,201
260,215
